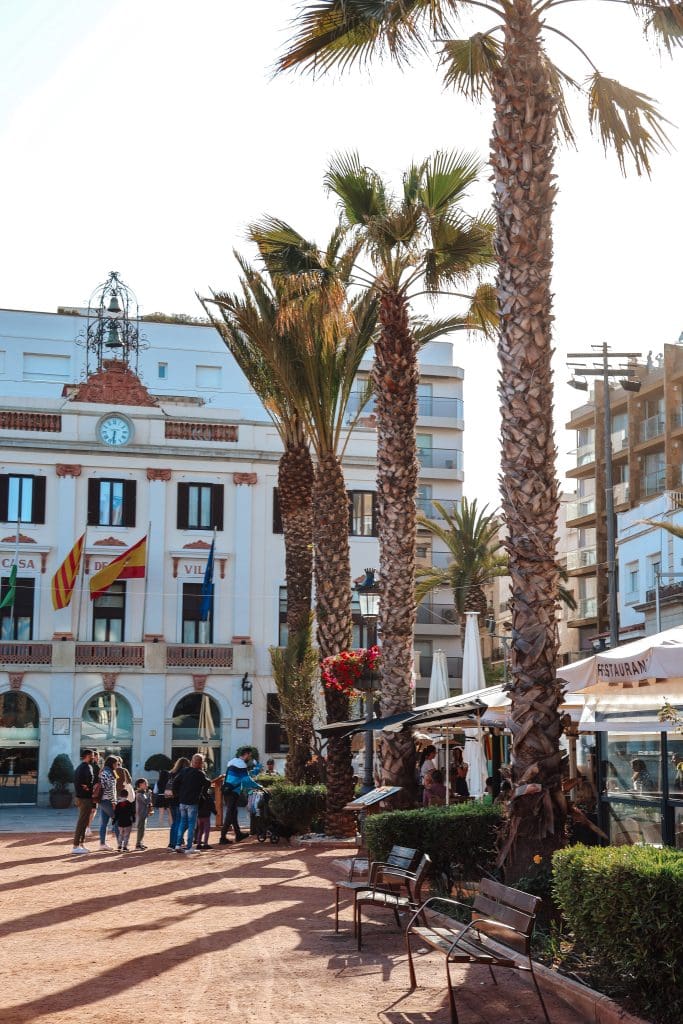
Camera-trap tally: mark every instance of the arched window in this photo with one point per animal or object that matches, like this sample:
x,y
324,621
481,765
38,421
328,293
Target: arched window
x,y
107,725
19,744
197,729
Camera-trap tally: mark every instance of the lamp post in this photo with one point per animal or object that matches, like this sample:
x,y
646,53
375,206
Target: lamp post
x,y
602,355
368,599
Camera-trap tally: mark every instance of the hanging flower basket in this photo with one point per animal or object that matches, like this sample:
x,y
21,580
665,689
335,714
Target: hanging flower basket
x,y
346,672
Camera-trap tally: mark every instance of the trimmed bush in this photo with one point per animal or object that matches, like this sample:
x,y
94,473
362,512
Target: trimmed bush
x,y
625,906
267,781
158,763
61,772
460,839
296,807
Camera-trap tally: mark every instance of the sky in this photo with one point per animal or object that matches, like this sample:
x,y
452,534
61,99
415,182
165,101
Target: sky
x,y
143,136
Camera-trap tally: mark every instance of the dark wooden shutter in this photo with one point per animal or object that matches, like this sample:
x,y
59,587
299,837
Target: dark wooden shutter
x,y
217,506
4,496
349,495
93,502
129,510
183,505
277,515
38,500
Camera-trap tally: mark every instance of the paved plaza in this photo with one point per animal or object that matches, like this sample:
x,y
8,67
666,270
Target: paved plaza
x,y
229,934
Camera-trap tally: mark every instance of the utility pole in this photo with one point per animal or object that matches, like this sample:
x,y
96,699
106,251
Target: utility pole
x,y
601,356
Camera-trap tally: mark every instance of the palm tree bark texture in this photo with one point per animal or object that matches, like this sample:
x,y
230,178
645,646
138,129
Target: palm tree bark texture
x,y
333,614
396,377
522,150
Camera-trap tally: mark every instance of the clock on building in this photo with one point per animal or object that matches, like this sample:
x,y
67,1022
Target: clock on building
x,y
115,431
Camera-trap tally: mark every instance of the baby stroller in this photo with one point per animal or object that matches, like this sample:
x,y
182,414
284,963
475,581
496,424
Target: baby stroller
x,y
264,825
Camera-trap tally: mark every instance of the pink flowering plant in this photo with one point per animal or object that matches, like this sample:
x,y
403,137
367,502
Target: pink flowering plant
x,y
342,672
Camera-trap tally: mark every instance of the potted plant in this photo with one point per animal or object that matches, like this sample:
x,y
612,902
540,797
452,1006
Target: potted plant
x,y
61,775
158,763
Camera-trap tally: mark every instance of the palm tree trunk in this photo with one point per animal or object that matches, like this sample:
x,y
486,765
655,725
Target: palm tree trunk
x,y
295,492
333,615
396,376
523,147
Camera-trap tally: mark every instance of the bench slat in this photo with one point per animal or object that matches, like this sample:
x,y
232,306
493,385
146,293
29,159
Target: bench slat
x,y
523,901
517,919
443,938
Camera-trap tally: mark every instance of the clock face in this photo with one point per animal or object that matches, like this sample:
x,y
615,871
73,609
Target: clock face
x,y
115,431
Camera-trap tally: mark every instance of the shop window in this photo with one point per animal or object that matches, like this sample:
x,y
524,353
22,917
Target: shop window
x,y
111,502
22,498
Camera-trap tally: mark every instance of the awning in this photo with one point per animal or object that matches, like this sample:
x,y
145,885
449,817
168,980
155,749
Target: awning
x,y
437,714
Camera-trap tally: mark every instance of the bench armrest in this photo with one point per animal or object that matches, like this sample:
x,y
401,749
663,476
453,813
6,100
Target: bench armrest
x,y
436,899
389,869
475,926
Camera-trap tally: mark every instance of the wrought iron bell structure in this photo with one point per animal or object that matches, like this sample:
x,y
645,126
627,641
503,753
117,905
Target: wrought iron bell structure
x,y
113,328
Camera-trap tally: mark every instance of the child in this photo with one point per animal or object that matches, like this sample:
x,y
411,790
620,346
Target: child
x,y
434,794
143,808
124,816
207,807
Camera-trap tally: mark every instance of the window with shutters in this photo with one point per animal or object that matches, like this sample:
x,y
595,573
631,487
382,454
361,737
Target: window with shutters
x,y
109,615
17,620
111,502
362,515
194,630
277,516
200,506
276,737
22,498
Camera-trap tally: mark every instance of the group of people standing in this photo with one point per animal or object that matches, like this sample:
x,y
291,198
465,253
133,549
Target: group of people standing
x,y
186,792
431,779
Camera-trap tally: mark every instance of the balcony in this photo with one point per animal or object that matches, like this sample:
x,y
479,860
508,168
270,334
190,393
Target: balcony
x,y
426,506
677,418
667,594
585,454
654,483
454,667
198,656
619,441
436,615
582,507
446,408
581,558
621,493
114,655
653,426
441,559
587,608
440,458
25,654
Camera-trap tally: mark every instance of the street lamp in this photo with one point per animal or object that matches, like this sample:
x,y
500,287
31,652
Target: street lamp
x,y
368,600
247,690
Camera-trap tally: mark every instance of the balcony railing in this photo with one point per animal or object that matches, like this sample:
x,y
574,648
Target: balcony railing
x,y
653,426
581,558
25,654
654,482
130,655
433,405
667,593
198,656
426,506
619,441
440,458
621,492
454,666
441,559
436,615
585,454
588,608
677,418
580,508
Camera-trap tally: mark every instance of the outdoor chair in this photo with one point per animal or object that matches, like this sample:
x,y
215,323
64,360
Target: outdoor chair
x,y
391,873
389,898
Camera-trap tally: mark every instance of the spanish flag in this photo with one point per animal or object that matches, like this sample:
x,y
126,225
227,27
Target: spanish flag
x,y
64,580
129,565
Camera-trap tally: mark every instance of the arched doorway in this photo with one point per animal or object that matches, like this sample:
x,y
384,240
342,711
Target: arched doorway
x,y
19,747
197,728
107,726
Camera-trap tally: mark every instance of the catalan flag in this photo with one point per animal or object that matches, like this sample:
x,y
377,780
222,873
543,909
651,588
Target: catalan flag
x,y
64,580
129,565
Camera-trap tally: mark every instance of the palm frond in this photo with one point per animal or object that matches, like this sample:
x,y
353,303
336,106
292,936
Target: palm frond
x,y
666,23
447,177
627,120
675,531
482,314
360,190
460,248
283,250
471,63
558,80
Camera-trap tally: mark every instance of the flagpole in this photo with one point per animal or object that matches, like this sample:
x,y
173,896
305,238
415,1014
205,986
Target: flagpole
x,y
213,592
81,574
144,598
16,562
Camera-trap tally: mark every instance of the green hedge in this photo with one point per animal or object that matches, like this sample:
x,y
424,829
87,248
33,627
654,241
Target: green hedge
x,y
625,906
296,807
267,781
460,839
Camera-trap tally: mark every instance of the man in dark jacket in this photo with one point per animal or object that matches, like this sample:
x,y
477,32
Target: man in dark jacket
x,y
84,779
193,785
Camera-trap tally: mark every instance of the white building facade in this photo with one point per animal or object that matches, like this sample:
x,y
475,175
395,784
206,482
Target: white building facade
x,y
650,559
178,453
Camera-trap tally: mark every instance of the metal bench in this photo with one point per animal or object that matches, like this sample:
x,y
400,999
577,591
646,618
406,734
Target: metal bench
x,y
391,873
498,934
389,898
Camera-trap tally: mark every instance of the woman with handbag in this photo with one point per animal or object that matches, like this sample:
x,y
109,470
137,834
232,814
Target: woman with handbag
x,y
171,795
108,797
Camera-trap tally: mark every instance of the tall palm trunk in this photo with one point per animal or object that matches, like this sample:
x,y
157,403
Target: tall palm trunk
x,y
523,147
295,487
396,378
333,613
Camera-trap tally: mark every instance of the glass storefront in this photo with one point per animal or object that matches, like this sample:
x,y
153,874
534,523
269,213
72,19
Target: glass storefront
x,y
107,726
19,747
196,729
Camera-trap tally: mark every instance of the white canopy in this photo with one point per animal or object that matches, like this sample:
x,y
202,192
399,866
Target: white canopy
x,y
473,679
653,662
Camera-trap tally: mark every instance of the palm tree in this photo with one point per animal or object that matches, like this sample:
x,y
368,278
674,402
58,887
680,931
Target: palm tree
x,y
473,543
529,112
247,322
324,335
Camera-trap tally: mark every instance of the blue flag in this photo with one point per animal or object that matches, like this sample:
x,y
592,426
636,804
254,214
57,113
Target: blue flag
x,y
206,607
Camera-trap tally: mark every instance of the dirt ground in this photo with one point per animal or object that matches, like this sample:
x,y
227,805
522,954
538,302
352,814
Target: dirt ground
x,y
231,934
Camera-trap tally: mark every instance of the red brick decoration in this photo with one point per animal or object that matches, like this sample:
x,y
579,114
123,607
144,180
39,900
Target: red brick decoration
x,y
15,680
199,682
109,542
63,469
109,681
23,539
187,430
115,384
158,474
245,478
44,422
197,545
